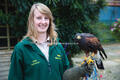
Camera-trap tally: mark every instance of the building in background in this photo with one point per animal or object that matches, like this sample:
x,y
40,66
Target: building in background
x,y
111,12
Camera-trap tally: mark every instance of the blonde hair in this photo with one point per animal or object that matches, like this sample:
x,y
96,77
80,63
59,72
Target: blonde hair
x,y
32,32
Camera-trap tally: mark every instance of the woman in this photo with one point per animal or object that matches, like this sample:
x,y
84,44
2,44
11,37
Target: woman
x,y
39,56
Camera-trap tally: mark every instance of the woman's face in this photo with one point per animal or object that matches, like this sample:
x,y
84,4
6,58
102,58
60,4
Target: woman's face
x,y
41,21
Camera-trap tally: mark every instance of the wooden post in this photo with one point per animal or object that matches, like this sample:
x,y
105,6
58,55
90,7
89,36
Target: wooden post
x,y
8,34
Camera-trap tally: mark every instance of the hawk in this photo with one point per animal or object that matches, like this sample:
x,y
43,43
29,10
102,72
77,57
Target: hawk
x,y
89,43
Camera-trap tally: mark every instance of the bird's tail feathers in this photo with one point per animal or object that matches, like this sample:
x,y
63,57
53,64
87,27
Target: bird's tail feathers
x,y
103,52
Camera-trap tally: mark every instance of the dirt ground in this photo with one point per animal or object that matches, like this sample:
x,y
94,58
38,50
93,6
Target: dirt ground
x,y
112,64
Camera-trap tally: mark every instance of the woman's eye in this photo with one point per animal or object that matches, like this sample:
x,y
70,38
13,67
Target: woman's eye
x,y
46,18
38,17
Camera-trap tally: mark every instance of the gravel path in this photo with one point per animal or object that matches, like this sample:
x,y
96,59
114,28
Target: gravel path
x,y
112,64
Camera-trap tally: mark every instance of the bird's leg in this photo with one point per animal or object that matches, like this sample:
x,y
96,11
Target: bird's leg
x,y
87,53
94,54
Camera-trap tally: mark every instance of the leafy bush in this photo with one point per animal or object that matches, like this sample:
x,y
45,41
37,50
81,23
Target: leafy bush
x,y
116,29
102,31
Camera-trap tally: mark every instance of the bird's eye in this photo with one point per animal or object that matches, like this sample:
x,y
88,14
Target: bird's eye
x,y
78,37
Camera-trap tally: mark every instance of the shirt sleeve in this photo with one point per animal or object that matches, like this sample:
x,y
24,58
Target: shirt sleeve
x,y
16,66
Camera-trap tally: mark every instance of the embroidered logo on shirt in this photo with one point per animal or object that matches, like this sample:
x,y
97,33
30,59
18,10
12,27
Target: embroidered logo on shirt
x,y
58,57
34,62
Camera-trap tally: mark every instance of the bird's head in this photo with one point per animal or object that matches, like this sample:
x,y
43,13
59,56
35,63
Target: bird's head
x,y
77,37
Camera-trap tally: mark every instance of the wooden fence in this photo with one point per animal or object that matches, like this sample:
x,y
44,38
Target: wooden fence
x,y
4,64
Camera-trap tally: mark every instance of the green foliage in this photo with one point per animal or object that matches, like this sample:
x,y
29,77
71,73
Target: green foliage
x,y
116,29
3,18
102,31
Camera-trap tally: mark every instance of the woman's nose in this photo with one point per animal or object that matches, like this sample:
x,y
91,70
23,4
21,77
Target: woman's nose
x,y
43,20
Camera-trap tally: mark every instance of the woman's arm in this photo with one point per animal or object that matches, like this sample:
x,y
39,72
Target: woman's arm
x,y
16,66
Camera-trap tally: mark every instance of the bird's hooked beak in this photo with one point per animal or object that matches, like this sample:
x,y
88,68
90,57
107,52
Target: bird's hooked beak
x,y
78,37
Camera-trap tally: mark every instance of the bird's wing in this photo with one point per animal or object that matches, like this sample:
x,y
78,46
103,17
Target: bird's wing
x,y
94,44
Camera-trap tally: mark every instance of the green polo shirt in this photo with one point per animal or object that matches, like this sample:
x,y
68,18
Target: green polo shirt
x,y
29,63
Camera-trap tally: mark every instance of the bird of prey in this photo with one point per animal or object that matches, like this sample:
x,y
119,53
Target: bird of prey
x,y
89,43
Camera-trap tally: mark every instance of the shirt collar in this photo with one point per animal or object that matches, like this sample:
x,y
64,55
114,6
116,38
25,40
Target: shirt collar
x,y
36,41
29,42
